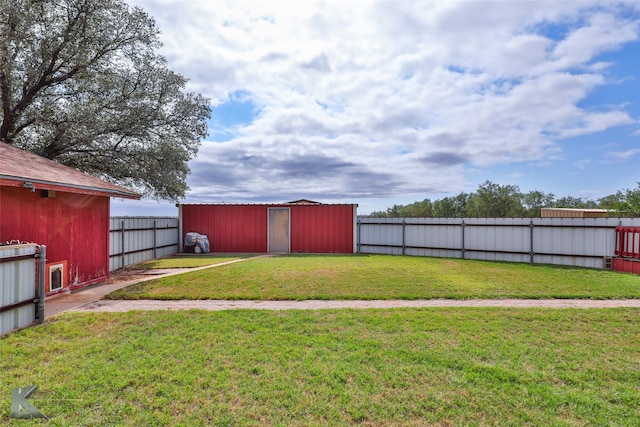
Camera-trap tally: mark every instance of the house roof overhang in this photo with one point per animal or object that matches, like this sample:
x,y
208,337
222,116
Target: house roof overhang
x,y
19,168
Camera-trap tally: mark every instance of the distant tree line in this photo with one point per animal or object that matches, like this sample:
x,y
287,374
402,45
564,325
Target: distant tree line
x,y
493,200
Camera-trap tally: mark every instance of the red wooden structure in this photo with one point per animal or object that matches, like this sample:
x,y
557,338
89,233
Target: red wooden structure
x,y
44,202
295,227
627,250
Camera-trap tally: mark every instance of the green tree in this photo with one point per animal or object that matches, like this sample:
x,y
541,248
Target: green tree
x,y
624,203
423,209
613,202
392,212
575,202
452,207
81,83
632,199
534,201
493,200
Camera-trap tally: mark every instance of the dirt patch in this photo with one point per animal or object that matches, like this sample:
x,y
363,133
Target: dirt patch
x,y
127,276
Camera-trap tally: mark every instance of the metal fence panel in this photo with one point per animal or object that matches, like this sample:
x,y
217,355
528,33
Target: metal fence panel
x,y
436,253
138,239
17,284
498,236
432,236
382,233
584,242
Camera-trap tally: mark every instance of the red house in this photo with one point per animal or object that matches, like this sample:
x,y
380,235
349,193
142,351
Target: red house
x,y
294,227
50,204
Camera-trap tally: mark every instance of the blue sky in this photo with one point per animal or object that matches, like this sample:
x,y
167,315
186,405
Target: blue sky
x,y
389,102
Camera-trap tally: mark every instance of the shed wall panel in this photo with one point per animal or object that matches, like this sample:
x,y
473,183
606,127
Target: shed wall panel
x,y
322,228
230,228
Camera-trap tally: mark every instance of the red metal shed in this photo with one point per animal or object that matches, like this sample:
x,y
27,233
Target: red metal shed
x,y
50,204
294,227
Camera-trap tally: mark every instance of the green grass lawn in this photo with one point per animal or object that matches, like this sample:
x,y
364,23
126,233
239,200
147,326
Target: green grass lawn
x,y
384,277
185,261
439,366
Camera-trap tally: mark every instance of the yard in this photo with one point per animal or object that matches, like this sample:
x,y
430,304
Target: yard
x,y
297,277
434,366
330,367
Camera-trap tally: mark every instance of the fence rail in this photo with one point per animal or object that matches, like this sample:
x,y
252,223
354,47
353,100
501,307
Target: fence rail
x,y
584,242
139,239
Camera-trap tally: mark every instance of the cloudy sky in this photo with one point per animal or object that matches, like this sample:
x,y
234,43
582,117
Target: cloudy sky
x,y
390,102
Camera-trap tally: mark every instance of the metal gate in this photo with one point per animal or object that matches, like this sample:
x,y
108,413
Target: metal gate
x,y
628,242
22,269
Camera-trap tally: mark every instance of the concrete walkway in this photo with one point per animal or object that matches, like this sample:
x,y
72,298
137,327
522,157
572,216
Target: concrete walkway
x,y
90,299
76,299
216,305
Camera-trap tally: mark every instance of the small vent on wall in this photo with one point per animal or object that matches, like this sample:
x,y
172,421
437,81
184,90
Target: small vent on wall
x,y
607,263
50,194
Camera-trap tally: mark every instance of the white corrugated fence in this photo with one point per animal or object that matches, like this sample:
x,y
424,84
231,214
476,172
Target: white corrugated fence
x,y
18,287
139,239
583,242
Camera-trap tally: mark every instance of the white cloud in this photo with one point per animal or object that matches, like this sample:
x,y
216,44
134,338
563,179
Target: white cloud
x,y
623,156
581,164
370,99
604,32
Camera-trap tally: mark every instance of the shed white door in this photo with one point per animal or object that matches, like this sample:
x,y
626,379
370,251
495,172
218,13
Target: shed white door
x,y
279,230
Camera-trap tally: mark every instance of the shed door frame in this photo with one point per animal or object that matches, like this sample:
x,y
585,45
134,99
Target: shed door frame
x,y
278,231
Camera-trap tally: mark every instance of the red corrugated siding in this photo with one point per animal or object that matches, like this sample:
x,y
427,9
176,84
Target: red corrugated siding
x,y
230,228
626,265
243,228
74,227
322,228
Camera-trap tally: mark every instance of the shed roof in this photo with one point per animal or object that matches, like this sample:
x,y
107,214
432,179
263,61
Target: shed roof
x,y
273,204
303,202
19,168
573,213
